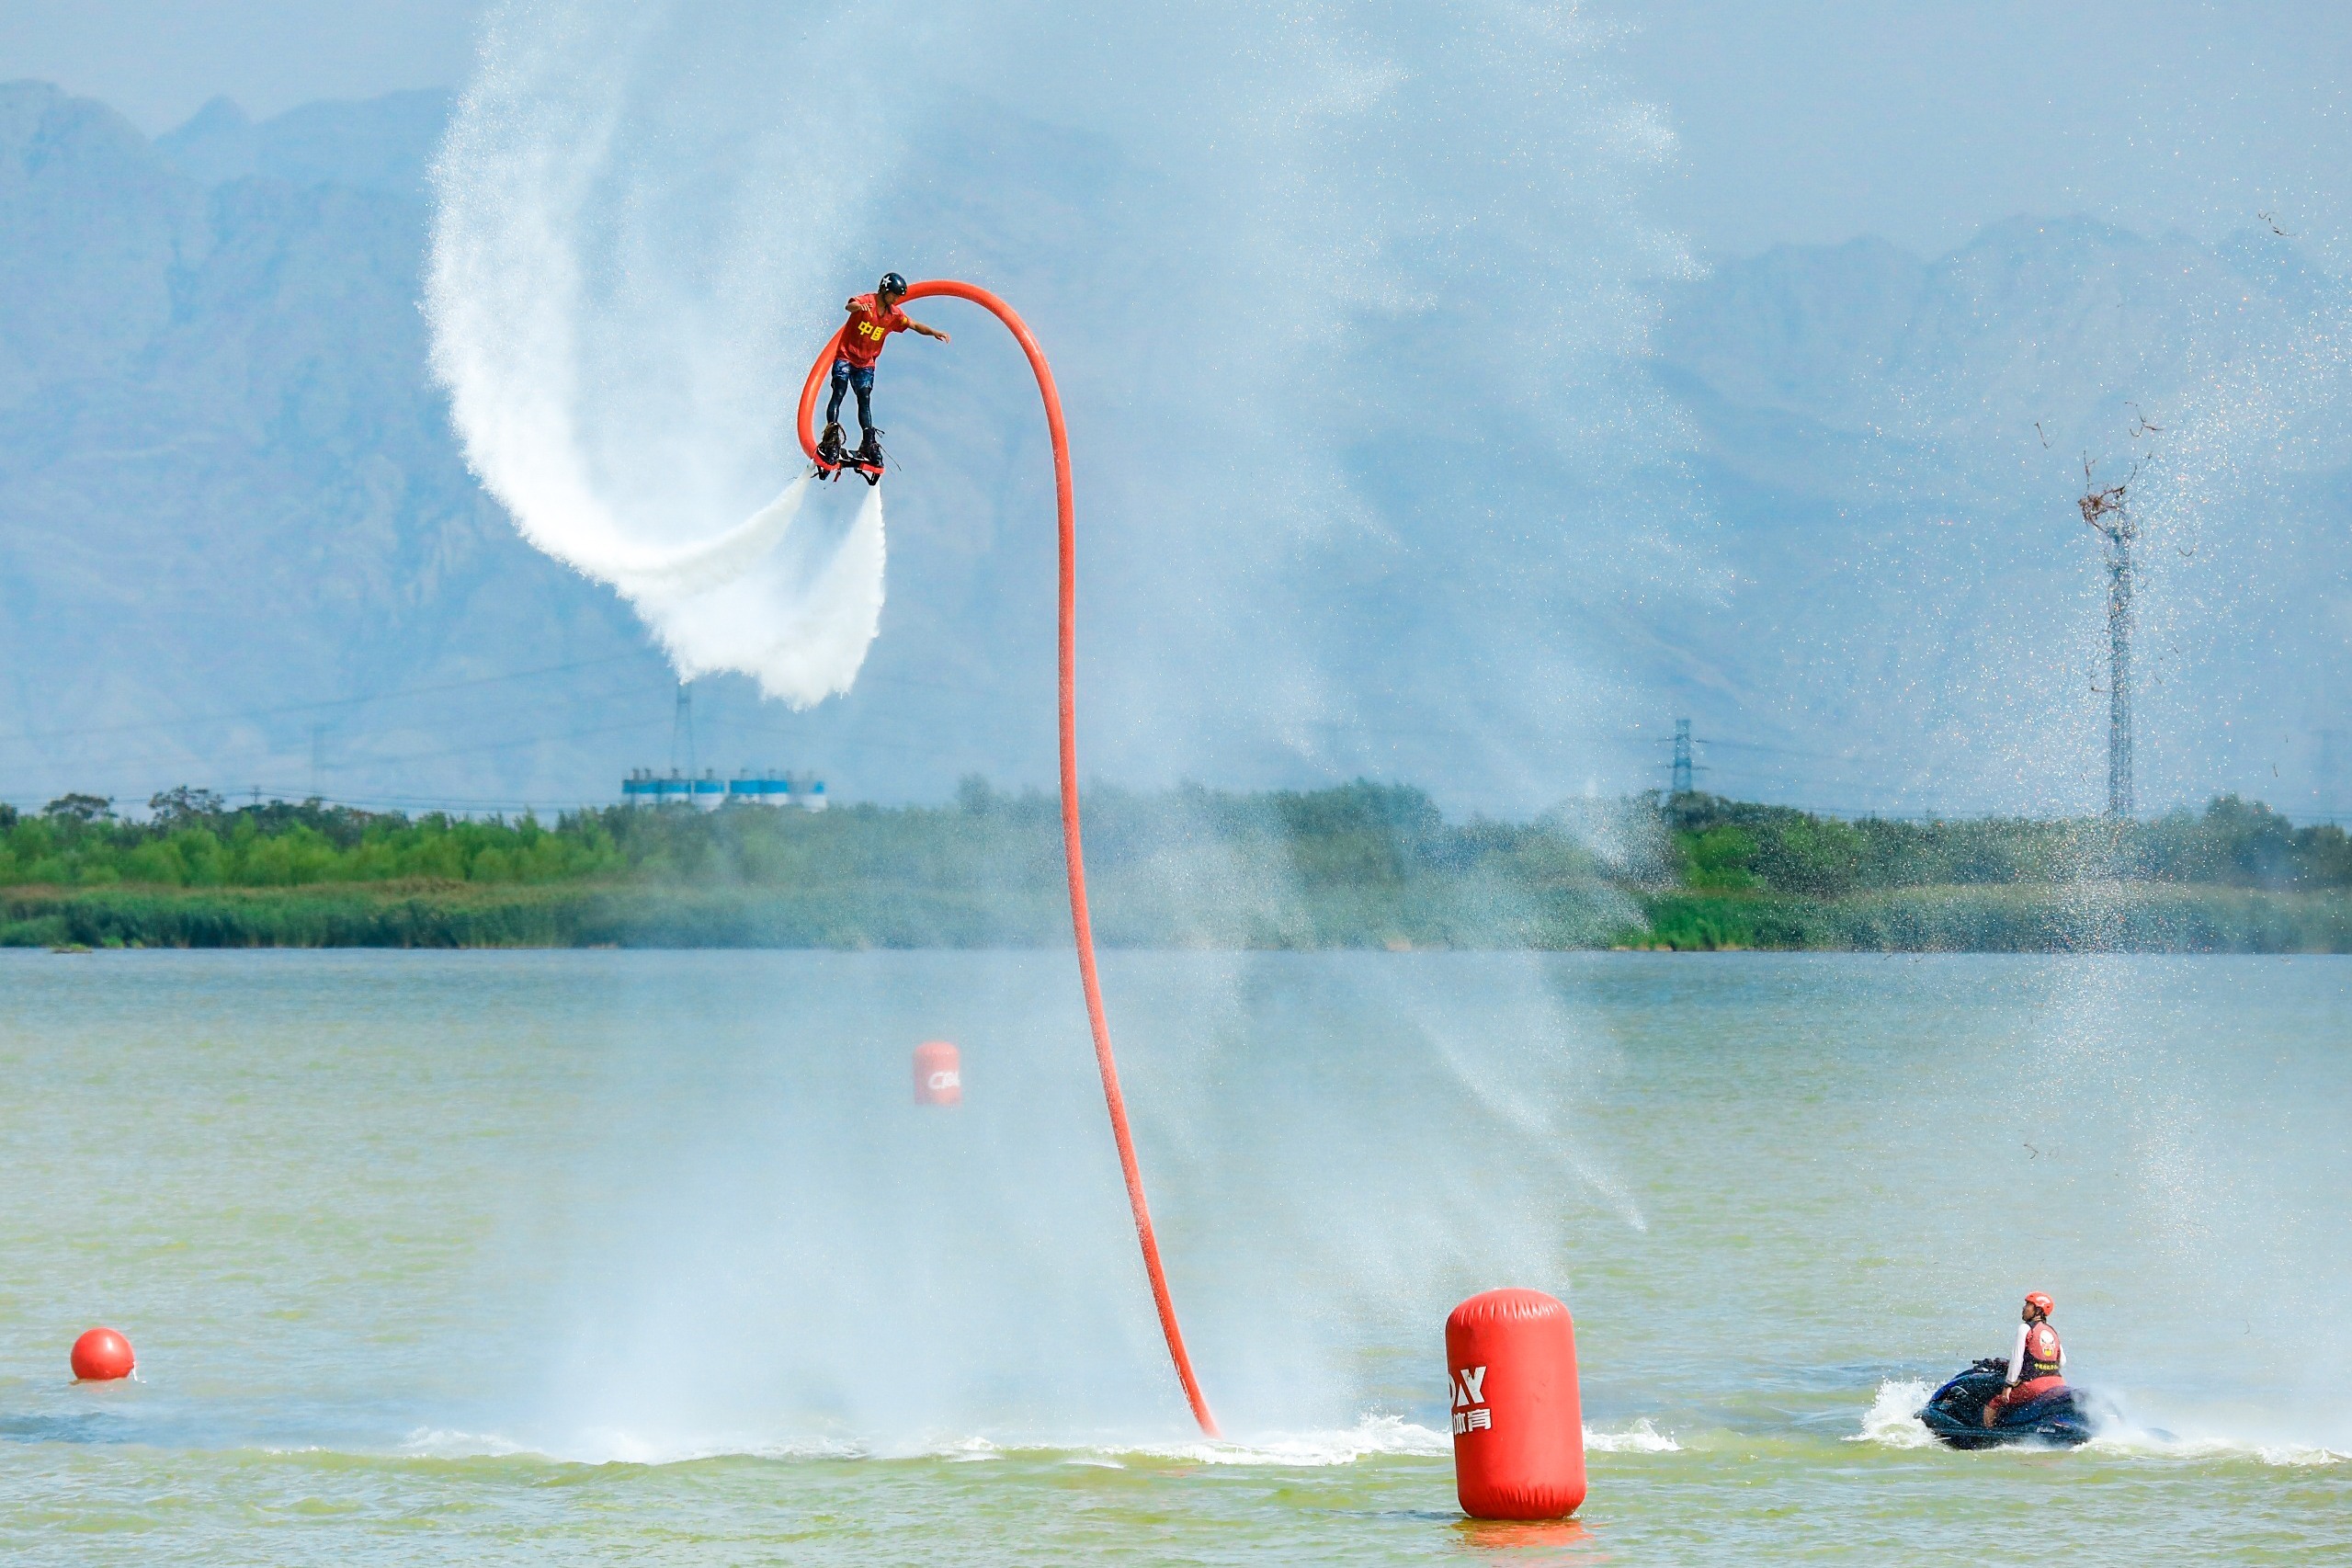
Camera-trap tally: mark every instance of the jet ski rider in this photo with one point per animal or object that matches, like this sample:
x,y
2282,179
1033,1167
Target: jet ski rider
x,y
2036,1362
873,318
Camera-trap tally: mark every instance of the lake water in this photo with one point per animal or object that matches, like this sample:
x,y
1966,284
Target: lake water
x,y
646,1258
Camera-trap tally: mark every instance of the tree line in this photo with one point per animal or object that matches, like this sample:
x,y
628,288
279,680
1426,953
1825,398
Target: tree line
x,y
1364,835
1733,846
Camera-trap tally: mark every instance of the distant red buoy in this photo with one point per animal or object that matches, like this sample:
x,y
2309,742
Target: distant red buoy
x,y
101,1356
938,1073
1518,1425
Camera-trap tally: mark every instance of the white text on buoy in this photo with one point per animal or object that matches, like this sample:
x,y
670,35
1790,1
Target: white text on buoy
x,y
938,1073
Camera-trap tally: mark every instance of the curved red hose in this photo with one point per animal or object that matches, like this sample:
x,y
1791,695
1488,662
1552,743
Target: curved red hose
x,y
1072,850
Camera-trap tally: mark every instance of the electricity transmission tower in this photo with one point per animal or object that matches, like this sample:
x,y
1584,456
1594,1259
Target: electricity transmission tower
x,y
1686,765
2105,513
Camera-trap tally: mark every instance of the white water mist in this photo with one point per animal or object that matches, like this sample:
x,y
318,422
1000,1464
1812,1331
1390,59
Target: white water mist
x,y
1284,261
1347,303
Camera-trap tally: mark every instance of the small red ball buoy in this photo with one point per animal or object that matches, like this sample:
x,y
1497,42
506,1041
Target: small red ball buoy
x,y
938,1073
1518,1425
101,1356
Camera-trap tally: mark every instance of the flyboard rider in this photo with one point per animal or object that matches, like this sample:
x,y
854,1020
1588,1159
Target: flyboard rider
x,y
873,318
2036,1361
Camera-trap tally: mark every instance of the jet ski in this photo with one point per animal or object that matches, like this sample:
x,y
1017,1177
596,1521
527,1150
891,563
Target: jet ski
x,y
1955,1412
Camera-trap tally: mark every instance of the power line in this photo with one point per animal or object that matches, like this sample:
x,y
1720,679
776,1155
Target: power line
x,y
315,707
362,753
513,744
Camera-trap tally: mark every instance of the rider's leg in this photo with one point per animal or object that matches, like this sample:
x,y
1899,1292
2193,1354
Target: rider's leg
x,y
841,371
862,379
869,443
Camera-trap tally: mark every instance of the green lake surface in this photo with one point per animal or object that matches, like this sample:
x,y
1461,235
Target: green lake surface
x,y
647,1258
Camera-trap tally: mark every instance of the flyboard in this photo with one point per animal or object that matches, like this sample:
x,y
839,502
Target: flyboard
x,y
829,461
833,459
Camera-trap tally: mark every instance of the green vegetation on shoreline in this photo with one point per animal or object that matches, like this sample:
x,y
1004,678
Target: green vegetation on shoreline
x,y
1359,866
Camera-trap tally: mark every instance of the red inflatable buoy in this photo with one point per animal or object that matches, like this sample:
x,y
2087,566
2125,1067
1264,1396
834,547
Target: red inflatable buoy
x,y
938,1073
1518,1426
101,1356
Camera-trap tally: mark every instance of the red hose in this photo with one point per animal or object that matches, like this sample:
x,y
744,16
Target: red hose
x,y
1073,852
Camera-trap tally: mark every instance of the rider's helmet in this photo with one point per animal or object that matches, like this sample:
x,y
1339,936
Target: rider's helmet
x,y
2041,1303
892,286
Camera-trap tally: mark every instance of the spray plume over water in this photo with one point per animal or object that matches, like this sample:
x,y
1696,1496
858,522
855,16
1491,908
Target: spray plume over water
x,y
1283,259
1343,298
1344,302
772,1250
593,380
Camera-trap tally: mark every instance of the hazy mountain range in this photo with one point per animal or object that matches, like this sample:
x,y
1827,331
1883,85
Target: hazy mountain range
x,y
228,493
238,546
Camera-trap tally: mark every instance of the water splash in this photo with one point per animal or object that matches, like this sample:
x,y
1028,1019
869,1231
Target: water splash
x,y
1893,1416
1372,1437
2279,1455
1641,1438
794,604
593,350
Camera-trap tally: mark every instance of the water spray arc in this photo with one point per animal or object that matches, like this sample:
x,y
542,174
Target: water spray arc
x,y
2105,513
1081,921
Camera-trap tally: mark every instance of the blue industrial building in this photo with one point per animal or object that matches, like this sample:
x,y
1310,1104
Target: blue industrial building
x,y
708,791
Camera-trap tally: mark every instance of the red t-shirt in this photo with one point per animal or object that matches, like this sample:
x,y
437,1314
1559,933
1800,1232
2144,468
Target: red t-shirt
x,y
870,326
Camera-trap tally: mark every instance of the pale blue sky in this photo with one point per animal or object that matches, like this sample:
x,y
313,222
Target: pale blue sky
x,y
1807,122
1819,120
160,60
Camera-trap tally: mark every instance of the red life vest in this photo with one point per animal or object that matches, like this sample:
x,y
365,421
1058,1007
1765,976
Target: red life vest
x,y
870,326
2041,1353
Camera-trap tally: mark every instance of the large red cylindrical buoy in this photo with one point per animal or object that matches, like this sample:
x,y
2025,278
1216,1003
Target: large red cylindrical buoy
x,y
938,1073
1518,1426
101,1356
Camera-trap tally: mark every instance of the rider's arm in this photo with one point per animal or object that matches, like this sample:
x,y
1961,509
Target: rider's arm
x,y
917,326
2017,1355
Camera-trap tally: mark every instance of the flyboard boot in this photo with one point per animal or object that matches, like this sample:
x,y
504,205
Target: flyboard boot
x,y
830,457
867,459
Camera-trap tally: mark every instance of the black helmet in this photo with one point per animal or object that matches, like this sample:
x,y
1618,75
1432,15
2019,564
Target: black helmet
x,y
892,283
